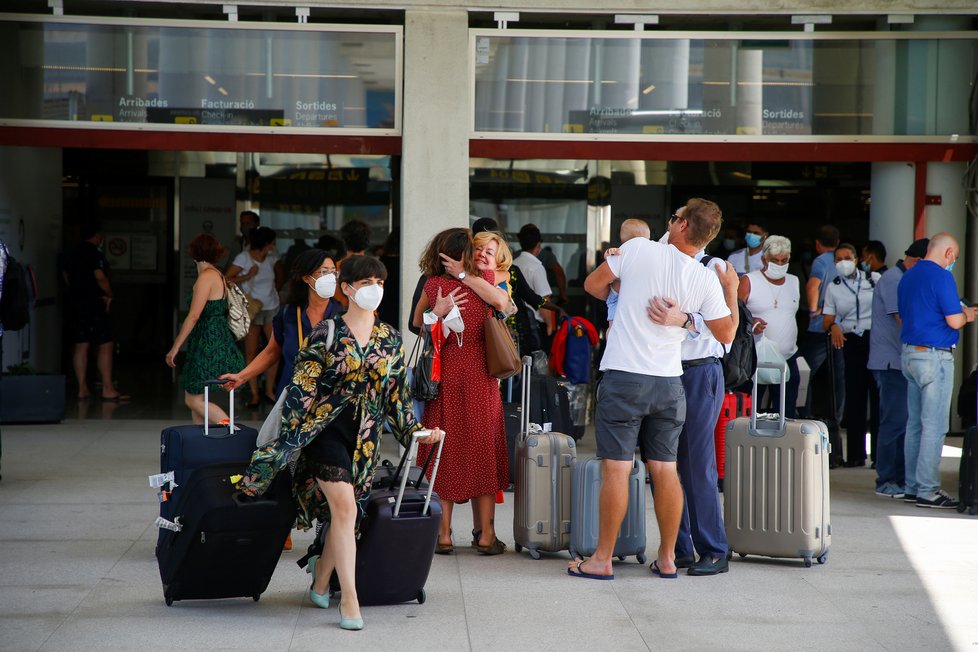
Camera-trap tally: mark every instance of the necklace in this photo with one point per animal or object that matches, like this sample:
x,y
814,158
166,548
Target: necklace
x,y
777,295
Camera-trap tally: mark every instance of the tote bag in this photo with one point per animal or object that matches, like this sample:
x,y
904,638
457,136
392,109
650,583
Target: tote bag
x,y
502,359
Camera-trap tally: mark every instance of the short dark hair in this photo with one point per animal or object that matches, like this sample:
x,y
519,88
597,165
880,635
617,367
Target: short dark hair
x,y
305,264
356,235
455,243
484,224
529,237
849,247
827,236
358,267
88,230
332,245
704,219
205,247
253,214
876,248
262,236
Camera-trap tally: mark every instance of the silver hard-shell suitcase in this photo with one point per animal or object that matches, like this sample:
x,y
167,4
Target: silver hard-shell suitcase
x,y
585,515
776,490
542,495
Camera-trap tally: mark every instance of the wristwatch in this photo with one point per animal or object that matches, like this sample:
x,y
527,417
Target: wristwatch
x,y
689,321
461,276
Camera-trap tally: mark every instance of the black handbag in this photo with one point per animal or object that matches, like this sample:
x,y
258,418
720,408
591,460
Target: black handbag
x,y
423,388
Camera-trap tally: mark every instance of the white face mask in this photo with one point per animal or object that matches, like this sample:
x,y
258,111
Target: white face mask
x,y
326,286
369,296
776,272
845,267
452,323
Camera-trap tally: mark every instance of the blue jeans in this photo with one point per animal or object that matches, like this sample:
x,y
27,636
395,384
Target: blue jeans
x,y
930,380
893,427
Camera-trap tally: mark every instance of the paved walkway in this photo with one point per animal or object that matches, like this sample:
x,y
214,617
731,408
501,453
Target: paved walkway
x,y
77,572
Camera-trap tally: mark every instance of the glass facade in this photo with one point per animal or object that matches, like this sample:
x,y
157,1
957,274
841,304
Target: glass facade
x,y
723,86
195,75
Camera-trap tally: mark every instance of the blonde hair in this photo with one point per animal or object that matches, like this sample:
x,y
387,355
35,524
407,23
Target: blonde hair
x,y
504,257
634,228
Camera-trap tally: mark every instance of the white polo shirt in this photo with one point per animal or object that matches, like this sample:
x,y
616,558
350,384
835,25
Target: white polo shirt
x,y
744,262
851,301
650,269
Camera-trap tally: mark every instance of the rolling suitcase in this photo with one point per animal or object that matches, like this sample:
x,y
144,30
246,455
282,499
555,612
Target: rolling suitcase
x,y
776,499
735,404
186,448
221,543
397,537
542,496
968,473
585,490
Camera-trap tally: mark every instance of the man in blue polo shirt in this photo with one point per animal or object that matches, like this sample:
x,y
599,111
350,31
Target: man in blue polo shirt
x,y
932,314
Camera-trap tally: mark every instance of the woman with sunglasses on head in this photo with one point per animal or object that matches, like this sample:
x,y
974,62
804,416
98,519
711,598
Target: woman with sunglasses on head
x,y
308,303
343,392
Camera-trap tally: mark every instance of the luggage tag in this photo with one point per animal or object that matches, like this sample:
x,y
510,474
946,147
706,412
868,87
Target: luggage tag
x,y
168,525
548,426
160,479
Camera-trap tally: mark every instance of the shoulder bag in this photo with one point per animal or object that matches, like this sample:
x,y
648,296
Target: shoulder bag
x,y
502,358
239,319
424,379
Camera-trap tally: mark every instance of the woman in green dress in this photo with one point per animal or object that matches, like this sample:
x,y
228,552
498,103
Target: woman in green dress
x,y
211,350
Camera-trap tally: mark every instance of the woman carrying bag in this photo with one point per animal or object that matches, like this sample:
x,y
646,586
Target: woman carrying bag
x,y
474,465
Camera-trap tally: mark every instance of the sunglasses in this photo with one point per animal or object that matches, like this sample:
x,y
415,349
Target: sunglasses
x,y
674,218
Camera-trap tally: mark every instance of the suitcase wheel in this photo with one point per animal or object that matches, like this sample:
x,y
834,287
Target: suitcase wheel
x,y
974,510
729,555
518,547
421,596
742,555
824,557
640,559
534,554
168,600
621,557
808,562
256,597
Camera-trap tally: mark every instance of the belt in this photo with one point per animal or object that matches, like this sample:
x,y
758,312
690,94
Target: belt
x,y
696,362
916,347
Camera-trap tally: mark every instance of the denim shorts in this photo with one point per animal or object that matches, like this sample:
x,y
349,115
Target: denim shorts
x,y
636,409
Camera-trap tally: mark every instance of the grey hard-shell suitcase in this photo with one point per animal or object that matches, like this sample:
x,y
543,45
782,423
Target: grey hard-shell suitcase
x,y
776,490
542,496
585,491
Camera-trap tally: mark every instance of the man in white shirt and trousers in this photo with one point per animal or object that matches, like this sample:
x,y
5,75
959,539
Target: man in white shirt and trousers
x,y
641,400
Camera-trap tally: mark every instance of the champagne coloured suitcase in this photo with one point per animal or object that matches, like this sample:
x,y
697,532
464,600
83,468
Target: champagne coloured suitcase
x,y
542,495
776,491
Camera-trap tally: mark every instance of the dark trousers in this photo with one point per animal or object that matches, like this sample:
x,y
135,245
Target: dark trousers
x,y
859,383
790,390
701,527
893,427
814,347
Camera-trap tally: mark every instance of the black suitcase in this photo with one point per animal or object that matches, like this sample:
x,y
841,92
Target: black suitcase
x,y
186,448
227,544
968,473
397,538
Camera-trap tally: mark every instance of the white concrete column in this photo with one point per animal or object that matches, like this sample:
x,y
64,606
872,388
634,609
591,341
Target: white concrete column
x,y
891,208
435,141
750,100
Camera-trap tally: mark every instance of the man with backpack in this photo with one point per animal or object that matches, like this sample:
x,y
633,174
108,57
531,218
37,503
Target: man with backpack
x,y
641,399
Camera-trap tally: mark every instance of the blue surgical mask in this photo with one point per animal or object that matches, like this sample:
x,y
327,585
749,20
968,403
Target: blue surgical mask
x,y
951,266
752,240
864,266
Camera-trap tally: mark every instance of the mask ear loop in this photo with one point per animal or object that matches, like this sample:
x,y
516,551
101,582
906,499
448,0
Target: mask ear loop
x,y
458,336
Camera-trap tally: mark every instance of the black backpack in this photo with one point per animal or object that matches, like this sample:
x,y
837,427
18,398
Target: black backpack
x,y
740,360
15,303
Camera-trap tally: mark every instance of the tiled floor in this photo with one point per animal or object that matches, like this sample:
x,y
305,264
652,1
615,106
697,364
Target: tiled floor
x,y
77,572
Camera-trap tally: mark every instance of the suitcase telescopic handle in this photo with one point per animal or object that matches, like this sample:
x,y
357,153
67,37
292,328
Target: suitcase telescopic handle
x,y
207,402
783,368
411,455
525,399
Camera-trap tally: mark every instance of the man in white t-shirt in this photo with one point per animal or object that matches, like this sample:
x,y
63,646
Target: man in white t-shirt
x,y
536,275
748,259
641,398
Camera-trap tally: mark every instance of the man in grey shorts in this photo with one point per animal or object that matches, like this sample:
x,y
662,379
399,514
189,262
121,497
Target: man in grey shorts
x,y
641,399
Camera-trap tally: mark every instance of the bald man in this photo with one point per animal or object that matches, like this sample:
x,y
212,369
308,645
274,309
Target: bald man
x,y
931,314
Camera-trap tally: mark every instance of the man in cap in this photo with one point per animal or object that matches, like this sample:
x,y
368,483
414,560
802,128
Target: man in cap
x,y
884,363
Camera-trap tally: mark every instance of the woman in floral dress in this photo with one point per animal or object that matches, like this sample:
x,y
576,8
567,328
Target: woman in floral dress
x,y
211,350
335,409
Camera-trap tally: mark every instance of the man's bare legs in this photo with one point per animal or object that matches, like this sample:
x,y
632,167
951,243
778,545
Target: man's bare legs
x,y
79,360
613,503
668,503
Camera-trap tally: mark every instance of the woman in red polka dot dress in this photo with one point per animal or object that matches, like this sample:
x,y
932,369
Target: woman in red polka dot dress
x,y
468,408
